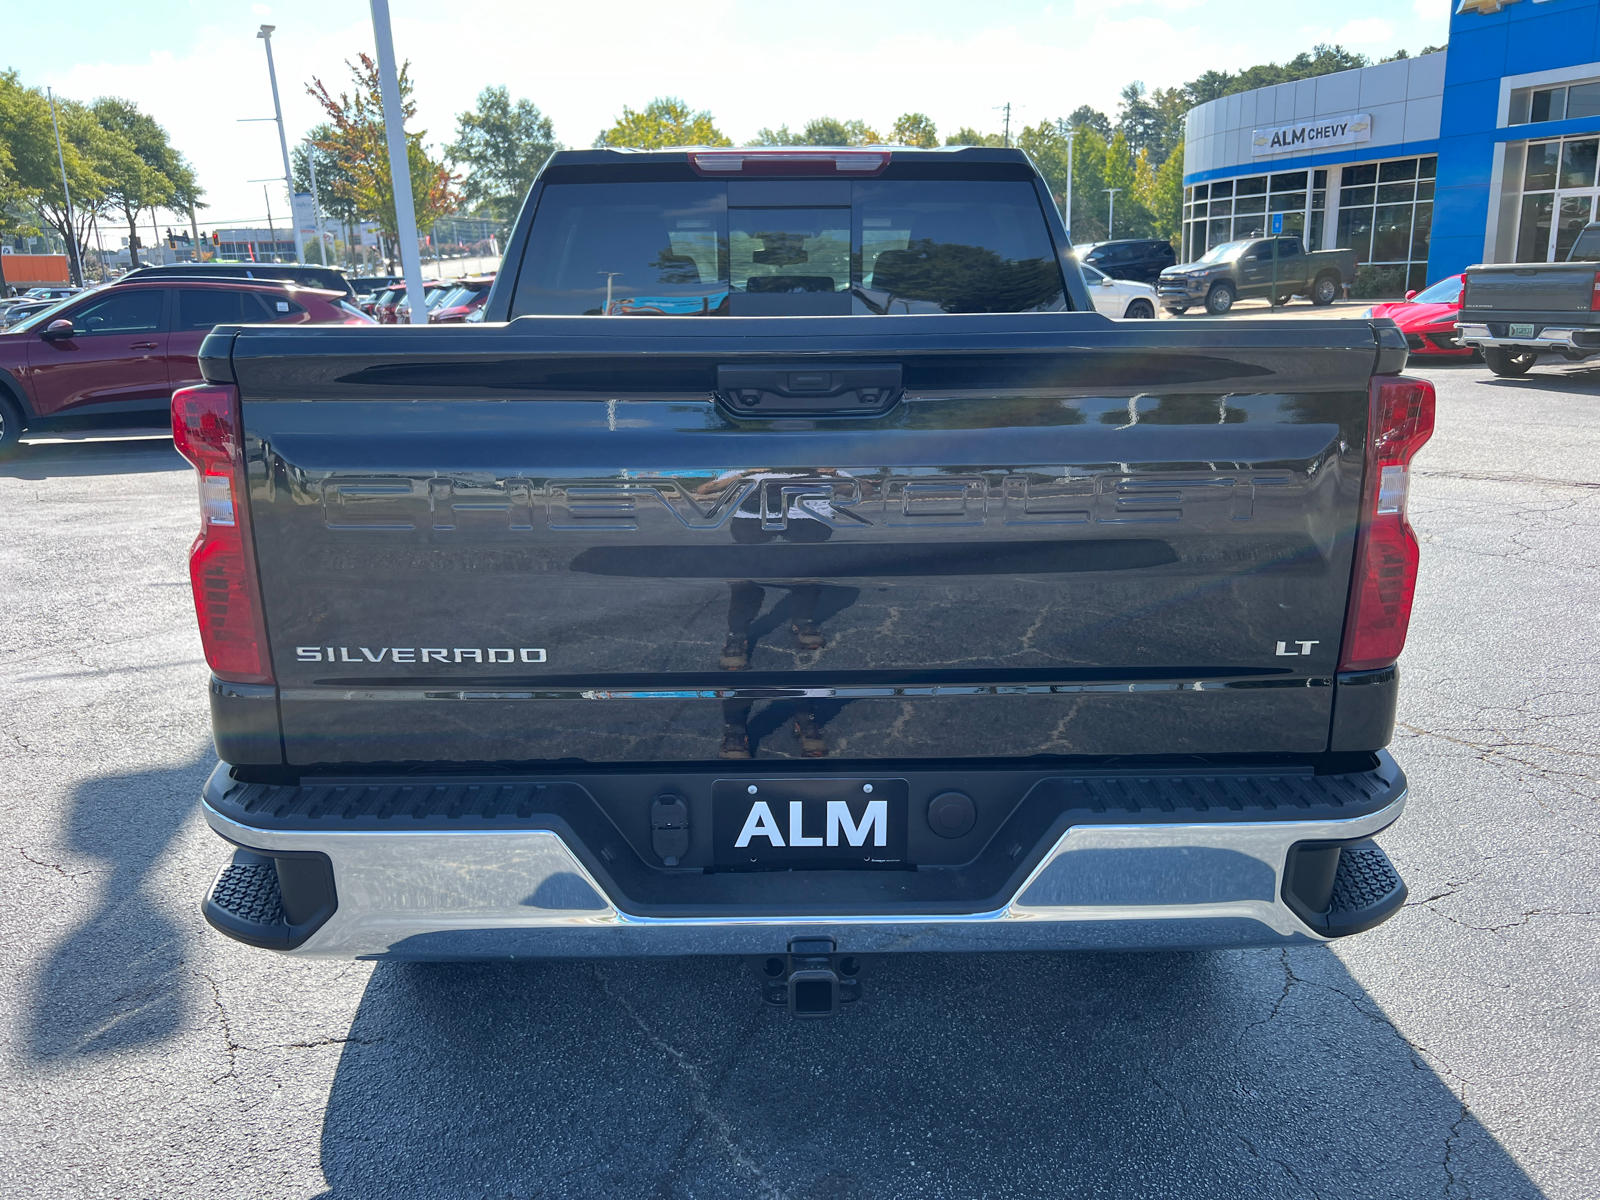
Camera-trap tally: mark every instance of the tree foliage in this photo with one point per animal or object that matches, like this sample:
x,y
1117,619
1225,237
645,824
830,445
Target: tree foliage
x,y
822,131
915,129
357,140
143,171
503,146
665,121
967,136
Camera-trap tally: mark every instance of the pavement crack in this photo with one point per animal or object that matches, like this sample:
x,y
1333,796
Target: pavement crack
x,y
1285,1167
317,1043
1289,980
50,866
722,1129
230,1045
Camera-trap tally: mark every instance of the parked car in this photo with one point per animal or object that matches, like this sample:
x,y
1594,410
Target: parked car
x,y
114,355
40,293
1129,258
1277,268
387,309
1119,297
1515,312
300,274
461,301
369,287
1428,319
1080,633
22,310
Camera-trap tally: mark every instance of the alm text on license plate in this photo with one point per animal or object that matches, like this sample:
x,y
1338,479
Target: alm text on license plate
x,y
802,824
1521,331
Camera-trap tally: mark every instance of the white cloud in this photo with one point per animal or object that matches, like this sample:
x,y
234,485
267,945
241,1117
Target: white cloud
x,y
1365,32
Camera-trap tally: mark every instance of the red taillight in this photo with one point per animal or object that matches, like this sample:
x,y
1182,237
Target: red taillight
x,y
1385,576
763,161
1594,298
227,601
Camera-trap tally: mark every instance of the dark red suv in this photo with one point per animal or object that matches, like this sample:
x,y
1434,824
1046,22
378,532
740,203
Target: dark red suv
x,y
115,355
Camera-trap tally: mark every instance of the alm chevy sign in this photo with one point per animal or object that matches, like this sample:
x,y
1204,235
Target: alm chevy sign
x,y
1312,135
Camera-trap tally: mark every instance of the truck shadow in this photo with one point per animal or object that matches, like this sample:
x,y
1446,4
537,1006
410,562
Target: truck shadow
x,y
122,456
119,981
1225,1074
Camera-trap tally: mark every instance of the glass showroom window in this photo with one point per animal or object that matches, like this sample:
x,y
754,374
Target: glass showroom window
x,y
1386,217
1231,209
1566,102
1559,195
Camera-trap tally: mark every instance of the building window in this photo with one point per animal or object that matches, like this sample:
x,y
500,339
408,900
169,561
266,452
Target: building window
x,y
1233,209
1386,217
1568,102
1559,196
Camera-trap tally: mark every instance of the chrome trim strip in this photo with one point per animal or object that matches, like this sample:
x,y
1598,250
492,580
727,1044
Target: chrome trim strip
x,y
795,692
403,884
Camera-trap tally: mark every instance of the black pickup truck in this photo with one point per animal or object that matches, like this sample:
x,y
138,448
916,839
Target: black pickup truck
x,y
1274,268
1515,312
866,592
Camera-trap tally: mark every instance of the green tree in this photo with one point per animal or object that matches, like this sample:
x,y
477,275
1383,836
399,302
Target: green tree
x,y
503,145
1159,190
665,121
1322,59
967,136
92,156
359,144
915,129
823,131
25,143
150,176
1084,117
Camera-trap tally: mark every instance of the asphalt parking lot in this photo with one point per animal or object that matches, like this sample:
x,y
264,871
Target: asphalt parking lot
x,y
1453,1052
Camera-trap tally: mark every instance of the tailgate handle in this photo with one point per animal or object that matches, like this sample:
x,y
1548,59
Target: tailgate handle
x,y
810,389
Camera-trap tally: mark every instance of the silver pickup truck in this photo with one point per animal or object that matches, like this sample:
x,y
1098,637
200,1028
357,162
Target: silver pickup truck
x,y
1514,312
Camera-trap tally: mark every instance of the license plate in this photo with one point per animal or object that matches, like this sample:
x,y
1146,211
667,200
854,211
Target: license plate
x,y
801,824
1521,331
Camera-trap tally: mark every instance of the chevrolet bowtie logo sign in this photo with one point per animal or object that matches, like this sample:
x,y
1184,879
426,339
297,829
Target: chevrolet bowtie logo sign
x,y
1482,6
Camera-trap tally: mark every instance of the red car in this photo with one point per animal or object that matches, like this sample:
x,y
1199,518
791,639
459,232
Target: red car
x,y
1428,318
386,309
115,355
465,297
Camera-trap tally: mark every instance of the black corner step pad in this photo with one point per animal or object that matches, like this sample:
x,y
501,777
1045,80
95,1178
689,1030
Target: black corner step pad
x,y
1367,890
247,902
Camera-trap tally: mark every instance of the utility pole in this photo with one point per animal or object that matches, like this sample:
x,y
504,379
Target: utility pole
x,y
610,275
316,202
265,34
405,213
1006,137
1111,214
73,259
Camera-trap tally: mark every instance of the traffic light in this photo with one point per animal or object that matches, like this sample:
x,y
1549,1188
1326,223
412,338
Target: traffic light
x,y
216,238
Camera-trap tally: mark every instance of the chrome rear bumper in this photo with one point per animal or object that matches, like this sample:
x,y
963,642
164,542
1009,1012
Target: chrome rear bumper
x,y
524,893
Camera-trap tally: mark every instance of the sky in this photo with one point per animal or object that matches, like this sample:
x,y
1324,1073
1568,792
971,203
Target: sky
x,y
197,66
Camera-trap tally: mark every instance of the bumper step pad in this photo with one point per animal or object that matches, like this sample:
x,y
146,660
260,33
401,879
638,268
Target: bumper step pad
x,y
1366,889
275,902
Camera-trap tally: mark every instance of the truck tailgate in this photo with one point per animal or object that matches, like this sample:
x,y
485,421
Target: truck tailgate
x,y
548,541
1550,289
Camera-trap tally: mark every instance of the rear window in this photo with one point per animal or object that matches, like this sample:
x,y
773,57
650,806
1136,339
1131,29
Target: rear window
x,y
1587,247
772,248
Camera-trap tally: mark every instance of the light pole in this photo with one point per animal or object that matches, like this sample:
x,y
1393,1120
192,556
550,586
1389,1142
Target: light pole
x,y
316,202
265,34
610,275
1067,199
66,192
405,214
1111,213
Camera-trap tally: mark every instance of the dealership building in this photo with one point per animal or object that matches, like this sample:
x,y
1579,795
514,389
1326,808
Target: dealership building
x,y
1483,152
